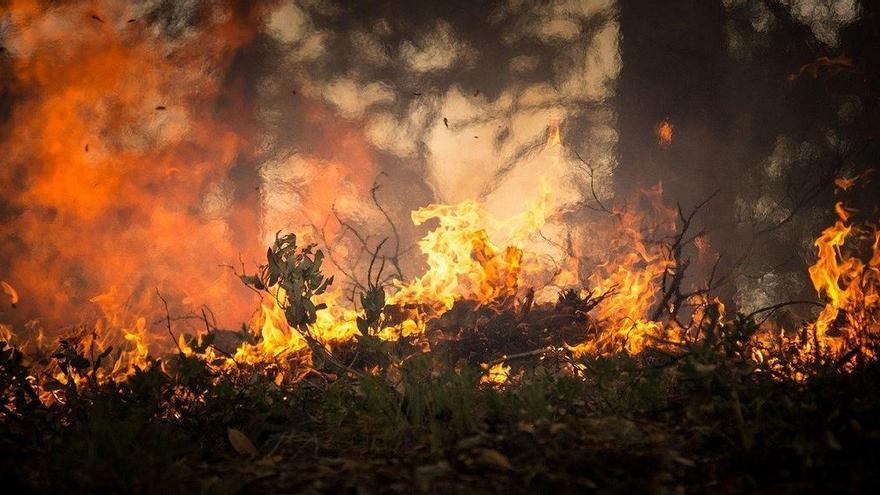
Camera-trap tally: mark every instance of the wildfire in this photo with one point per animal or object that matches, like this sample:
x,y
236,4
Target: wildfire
x,y
850,317
97,169
463,263
630,276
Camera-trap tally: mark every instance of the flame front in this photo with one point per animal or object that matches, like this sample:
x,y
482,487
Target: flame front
x,y
849,318
98,178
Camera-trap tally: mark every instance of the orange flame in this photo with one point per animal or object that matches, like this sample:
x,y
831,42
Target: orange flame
x,y
664,131
850,287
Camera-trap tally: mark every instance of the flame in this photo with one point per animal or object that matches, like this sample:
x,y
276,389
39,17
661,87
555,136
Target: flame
x,y
664,132
843,212
115,147
106,186
126,331
846,183
497,374
630,276
850,288
463,262
9,291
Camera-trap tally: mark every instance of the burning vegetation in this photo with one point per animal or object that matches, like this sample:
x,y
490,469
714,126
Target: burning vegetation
x,y
473,319
560,345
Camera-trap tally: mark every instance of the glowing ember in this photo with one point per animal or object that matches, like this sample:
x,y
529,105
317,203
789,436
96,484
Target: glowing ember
x,y
664,132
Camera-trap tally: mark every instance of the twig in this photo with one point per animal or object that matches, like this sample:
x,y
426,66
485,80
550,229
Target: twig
x,y
168,322
681,266
512,357
395,260
823,182
591,172
772,309
370,282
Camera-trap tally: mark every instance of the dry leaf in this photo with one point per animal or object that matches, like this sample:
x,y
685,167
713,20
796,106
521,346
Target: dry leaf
x,y
832,442
241,443
684,461
494,458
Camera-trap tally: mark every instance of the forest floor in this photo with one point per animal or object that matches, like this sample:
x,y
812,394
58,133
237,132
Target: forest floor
x,y
707,419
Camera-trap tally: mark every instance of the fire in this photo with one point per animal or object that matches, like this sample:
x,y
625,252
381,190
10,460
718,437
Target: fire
x,y
630,276
277,339
9,291
664,132
117,173
497,374
850,286
115,148
463,262
123,329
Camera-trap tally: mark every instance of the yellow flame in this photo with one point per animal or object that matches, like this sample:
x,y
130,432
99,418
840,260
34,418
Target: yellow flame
x,y
463,263
497,374
849,286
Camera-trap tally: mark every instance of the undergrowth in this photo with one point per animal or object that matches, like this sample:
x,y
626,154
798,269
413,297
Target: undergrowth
x,y
710,419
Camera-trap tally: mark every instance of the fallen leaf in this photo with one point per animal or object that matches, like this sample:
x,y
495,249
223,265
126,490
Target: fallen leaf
x,y
470,442
832,442
525,426
494,458
241,443
684,461
557,427
425,475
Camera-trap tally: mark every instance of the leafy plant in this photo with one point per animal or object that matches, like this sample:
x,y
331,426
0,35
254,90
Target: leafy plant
x,y
293,276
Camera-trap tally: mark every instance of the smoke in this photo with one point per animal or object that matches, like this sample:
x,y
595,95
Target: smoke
x,y
122,155
151,142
